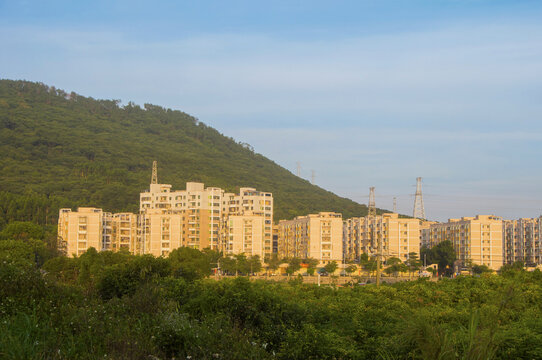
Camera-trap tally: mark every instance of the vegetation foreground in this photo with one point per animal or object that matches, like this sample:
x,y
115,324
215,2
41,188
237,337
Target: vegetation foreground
x,y
120,306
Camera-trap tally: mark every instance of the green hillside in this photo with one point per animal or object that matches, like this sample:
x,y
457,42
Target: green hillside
x,y
65,150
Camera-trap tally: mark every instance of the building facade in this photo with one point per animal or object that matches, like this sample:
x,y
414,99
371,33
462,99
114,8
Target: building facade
x,y
82,229
398,236
522,241
476,240
317,236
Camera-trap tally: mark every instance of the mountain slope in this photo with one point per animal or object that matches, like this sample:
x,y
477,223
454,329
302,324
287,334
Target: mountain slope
x,y
59,149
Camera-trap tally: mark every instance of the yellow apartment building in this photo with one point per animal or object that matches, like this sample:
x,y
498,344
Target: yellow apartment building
x,y
476,240
124,233
244,234
82,229
161,231
317,236
201,207
399,236
204,211
522,241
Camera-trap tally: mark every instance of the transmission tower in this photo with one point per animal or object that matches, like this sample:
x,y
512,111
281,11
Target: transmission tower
x,y
313,176
154,179
419,210
372,203
298,164
395,204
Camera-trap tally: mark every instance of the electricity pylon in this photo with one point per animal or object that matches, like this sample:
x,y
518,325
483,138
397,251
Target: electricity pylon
x,y
419,210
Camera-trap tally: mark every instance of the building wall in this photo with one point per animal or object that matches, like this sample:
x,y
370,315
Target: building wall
x,y
80,230
317,236
205,210
476,240
161,231
399,236
124,234
245,234
522,241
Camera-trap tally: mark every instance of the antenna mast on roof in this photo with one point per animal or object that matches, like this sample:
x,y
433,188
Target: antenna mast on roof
x,y
154,179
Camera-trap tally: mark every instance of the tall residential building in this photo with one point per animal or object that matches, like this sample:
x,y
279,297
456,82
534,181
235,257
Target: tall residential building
x,y
317,236
244,234
476,240
522,241
161,231
124,233
252,202
204,211
202,207
82,229
399,236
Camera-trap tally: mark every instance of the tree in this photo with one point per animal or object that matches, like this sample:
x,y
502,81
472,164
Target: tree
x,y
413,263
331,267
294,264
311,265
242,264
351,269
228,265
480,269
255,264
272,262
445,255
191,264
395,265
22,230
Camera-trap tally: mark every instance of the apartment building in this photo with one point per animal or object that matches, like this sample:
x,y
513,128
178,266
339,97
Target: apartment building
x,y
205,211
317,236
399,236
476,240
124,233
244,234
160,231
201,206
82,229
522,241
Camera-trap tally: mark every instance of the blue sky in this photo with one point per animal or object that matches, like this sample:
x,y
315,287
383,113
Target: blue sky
x,y
365,93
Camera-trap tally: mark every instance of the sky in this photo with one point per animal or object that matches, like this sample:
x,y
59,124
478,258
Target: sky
x,y
363,93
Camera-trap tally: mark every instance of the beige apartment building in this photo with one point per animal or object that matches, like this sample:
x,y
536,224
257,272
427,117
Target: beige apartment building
x,y
124,233
244,234
204,211
522,241
201,206
476,240
252,202
161,231
79,230
399,236
317,236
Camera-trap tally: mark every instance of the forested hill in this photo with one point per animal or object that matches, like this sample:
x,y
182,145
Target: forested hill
x,y
66,150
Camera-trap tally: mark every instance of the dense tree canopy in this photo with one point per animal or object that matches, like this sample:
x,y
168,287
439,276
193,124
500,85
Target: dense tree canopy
x,y
122,306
